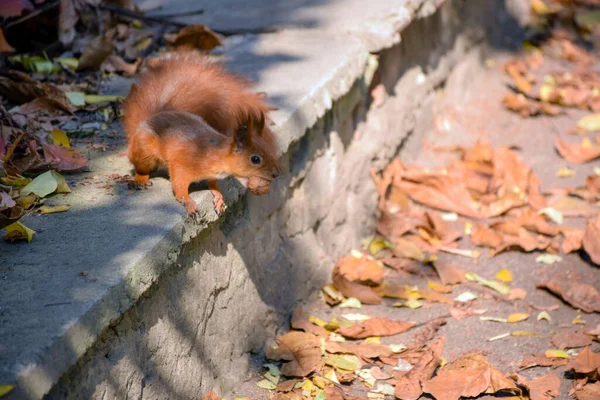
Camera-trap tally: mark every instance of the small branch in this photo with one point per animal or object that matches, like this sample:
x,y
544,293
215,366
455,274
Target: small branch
x,y
34,13
135,15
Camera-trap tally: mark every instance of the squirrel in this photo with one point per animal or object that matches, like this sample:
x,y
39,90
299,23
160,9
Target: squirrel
x,y
187,113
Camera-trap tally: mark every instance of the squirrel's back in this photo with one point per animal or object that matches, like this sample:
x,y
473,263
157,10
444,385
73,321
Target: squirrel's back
x,y
191,82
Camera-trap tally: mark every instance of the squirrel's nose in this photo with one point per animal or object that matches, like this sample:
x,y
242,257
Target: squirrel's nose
x,y
276,173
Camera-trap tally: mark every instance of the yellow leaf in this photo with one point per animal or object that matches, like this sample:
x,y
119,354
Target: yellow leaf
x,y
271,378
60,138
339,362
28,201
18,231
493,319
373,339
437,287
62,186
548,259
586,143
265,384
517,317
413,304
76,98
42,185
379,244
545,92
468,227
319,382
54,209
5,389
556,354
351,302
524,333
72,63
578,321
317,321
95,98
565,172
504,276
539,7
544,315
15,181
142,44
589,123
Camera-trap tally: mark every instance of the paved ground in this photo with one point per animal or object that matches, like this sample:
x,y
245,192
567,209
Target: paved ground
x,y
461,118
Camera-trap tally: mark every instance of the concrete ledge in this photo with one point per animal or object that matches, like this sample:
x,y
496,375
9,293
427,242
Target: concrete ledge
x,y
178,306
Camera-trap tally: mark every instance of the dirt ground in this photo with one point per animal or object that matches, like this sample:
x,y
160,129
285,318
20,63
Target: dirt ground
x,y
463,118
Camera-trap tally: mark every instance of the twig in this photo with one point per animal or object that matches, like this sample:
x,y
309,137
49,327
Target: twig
x,y
99,18
183,13
34,13
135,15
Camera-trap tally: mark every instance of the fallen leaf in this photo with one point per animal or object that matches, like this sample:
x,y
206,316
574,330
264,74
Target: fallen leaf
x,y
5,389
579,295
361,269
54,209
587,363
302,350
504,275
266,384
591,239
565,172
194,37
376,327
589,123
42,185
64,158
517,317
436,287
545,387
518,103
95,98
482,236
465,297
556,354
45,104
350,302
544,315
573,240
96,52
449,274
408,387
18,231
548,259
591,391
428,332
19,88
5,47
577,153
351,289
114,63
540,360
210,395
60,138
517,294
570,340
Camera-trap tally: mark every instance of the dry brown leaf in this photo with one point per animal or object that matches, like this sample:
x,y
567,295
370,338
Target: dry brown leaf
x,y
570,340
394,225
361,270
468,376
45,104
516,72
351,289
96,52
287,386
376,327
482,236
591,239
115,63
540,360
334,393
288,396
573,240
428,332
545,387
19,88
577,153
194,37
591,391
579,295
300,322
570,206
302,350
363,350
210,395
586,363
520,104
449,274
5,47
408,387
64,158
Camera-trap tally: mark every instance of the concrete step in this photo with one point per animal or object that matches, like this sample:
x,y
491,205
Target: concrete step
x,y
172,306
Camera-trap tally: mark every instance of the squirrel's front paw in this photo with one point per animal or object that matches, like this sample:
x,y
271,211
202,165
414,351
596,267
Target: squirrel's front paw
x,y
140,182
190,205
219,204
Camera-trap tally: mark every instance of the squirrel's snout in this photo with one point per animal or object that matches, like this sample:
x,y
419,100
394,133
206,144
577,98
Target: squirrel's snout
x,y
275,174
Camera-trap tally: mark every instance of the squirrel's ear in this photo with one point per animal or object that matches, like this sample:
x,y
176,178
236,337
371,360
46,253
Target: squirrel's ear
x,y
242,137
260,124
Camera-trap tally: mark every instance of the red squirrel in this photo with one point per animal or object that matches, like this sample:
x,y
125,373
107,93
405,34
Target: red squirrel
x,y
201,122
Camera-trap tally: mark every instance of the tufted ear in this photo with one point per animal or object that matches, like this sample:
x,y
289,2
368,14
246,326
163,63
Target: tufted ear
x,y
242,137
260,123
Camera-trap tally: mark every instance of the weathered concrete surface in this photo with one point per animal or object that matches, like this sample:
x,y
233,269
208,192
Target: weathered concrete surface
x,y
178,306
377,22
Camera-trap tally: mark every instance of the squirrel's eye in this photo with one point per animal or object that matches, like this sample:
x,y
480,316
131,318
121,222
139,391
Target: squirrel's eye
x,y
255,160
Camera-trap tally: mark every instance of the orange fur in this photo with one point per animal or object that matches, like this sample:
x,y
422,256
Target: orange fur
x,y
204,124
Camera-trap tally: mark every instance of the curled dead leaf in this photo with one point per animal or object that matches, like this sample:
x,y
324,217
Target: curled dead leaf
x,y
302,350
376,327
591,239
579,295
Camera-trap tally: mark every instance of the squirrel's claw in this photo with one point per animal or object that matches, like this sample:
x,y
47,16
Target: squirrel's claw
x,y
219,203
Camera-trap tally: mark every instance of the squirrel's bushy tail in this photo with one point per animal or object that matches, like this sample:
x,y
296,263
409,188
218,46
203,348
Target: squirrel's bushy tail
x,y
191,82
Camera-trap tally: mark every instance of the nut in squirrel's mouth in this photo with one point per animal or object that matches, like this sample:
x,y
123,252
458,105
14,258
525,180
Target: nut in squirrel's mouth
x,y
244,180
